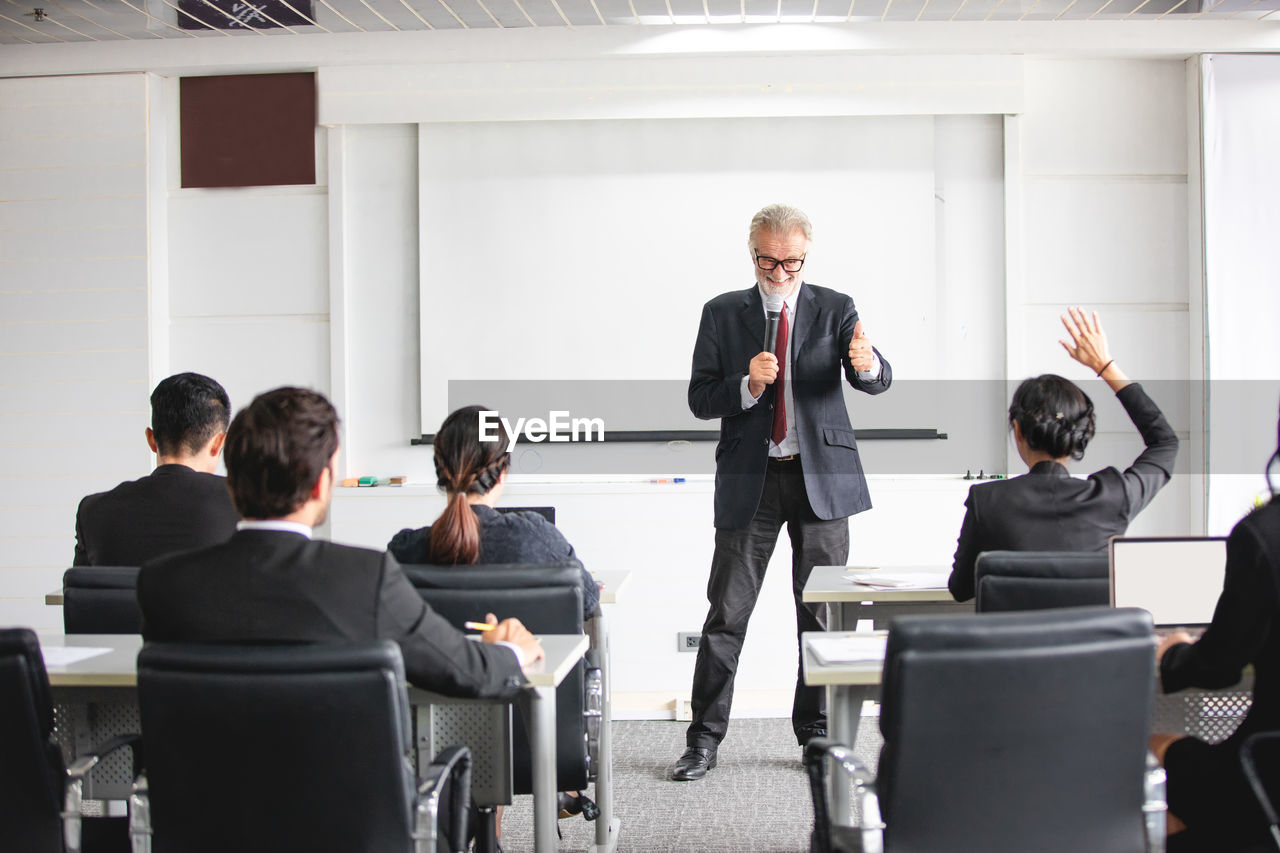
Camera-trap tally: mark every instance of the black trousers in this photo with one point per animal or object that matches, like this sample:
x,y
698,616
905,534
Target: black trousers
x,y
737,570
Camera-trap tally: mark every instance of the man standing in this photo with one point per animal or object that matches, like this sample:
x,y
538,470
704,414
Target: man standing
x,y
182,504
786,455
271,582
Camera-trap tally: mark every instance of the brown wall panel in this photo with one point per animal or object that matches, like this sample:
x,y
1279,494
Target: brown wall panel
x,y
248,130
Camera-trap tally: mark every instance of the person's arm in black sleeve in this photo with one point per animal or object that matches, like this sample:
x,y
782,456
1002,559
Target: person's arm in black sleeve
x,y
961,582
712,394
1241,621
81,557
1154,466
554,547
437,656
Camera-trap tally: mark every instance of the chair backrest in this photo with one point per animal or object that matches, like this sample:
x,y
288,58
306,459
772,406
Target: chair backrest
x,y
547,512
32,772
101,600
1017,731
301,747
1039,580
547,598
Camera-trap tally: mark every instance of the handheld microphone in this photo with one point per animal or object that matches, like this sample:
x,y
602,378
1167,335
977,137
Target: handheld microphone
x,y
772,312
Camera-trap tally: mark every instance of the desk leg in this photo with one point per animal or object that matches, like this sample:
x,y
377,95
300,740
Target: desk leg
x,y
606,830
542,702
844,714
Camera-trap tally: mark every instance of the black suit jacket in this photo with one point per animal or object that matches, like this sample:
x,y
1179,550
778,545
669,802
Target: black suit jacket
x,y
173,509
1205,781
266,586
731,334
1049,510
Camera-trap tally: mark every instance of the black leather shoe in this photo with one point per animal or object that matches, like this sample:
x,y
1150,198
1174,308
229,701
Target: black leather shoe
x,y
694,764
808,733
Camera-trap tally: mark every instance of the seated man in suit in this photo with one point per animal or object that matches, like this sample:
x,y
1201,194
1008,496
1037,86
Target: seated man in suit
x,y
182,504
271,582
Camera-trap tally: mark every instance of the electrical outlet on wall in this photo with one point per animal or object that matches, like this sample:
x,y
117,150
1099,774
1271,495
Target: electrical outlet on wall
x,y
684,710
687,641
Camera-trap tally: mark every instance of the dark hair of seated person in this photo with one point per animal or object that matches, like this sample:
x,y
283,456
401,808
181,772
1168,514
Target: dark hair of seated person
x,y
187,410
1054,415
275,450
465,465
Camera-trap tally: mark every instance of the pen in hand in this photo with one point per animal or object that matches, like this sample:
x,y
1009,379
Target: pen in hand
x,y
479,626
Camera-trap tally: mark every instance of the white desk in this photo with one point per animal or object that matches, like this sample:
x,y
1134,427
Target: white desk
x,y
852,602
848,685
113,677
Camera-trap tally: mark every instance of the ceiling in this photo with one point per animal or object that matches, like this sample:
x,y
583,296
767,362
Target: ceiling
x,y
72,21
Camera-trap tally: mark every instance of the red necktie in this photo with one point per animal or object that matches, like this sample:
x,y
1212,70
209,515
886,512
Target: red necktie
x,y
780,402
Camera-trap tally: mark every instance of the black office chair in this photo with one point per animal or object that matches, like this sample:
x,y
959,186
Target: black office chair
x,y
547,598
1008,732
547,512
1256,745
39,796
101,600
302,747
1039,580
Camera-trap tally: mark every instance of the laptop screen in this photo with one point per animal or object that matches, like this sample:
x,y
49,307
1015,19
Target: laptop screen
x,y
1176,579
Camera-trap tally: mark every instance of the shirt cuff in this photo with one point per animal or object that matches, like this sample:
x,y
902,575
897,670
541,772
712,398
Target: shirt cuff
x,y
874,373
747,400
515,650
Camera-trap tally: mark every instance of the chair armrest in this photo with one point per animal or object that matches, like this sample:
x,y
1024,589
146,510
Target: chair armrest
x,y
1249,764
78,772
593,714
1154,805
140,816
816,753
452,763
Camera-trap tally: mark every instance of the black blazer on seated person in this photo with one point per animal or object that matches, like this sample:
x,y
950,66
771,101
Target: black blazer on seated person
x,y
266,586
1049,510
174,508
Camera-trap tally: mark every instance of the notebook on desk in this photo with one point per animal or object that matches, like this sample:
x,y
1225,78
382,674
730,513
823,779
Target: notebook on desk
x,y
1175,579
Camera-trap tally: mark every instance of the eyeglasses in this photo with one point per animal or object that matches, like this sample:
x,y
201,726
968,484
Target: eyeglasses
x,y
769,264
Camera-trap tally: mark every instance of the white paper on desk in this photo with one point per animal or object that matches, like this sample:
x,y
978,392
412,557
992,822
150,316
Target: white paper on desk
x,y
67,655
848,649
934,579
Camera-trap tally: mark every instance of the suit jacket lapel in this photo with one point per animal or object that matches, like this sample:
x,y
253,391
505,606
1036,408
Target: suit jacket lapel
x,y
751,315
807,314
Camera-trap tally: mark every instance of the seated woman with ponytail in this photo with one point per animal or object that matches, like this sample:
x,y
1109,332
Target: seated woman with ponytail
x,y
1047,509
472,474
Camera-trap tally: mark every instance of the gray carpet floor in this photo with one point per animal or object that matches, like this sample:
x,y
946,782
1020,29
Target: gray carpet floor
x,y
757,798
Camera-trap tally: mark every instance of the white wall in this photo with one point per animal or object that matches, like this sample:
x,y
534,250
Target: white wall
x,y
1099,169
1242,184
73,317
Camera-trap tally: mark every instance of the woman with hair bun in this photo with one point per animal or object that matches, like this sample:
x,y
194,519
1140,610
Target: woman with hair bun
x,y
1052,421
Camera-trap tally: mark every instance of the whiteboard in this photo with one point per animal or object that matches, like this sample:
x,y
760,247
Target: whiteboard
x,y
571,259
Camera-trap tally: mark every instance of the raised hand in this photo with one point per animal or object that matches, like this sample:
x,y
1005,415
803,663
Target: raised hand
x,y
1088,341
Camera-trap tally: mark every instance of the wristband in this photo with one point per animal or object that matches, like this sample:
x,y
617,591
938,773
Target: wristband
x,y
1105,366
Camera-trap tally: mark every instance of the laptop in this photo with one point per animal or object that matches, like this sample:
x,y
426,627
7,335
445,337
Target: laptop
x,y
1177,579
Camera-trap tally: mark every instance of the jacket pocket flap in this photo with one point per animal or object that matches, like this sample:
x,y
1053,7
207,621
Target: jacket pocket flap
x,y
840,438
